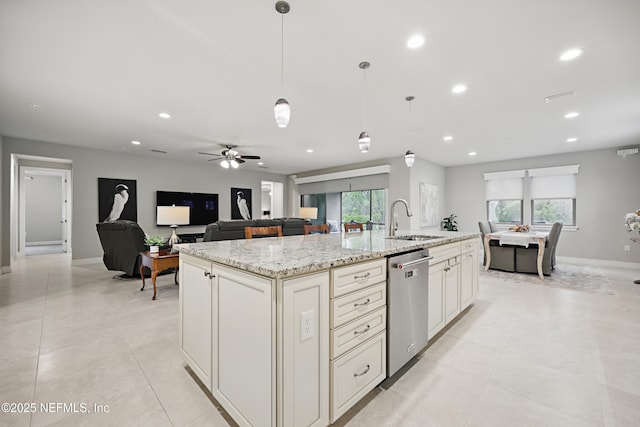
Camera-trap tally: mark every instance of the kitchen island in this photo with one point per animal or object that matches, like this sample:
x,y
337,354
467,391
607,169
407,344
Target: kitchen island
x,y
292,331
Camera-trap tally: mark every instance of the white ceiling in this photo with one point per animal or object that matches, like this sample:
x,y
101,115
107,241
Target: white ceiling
x,y
102,71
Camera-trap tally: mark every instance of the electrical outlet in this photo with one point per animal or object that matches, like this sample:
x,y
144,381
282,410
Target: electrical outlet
x,y
627,248
306,325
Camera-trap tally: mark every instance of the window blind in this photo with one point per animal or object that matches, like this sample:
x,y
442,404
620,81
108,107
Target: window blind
x,y
554,183
504,185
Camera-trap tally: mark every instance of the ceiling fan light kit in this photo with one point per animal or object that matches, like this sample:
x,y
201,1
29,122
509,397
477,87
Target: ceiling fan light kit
x,y
282,109
364,140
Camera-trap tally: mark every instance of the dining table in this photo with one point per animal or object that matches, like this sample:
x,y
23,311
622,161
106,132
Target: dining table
x,y
518,238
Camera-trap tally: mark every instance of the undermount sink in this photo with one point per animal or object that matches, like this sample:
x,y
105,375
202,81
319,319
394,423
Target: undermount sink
x,y
414,237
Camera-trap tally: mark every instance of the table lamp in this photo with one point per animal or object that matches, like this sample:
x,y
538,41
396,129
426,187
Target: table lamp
x,y
173,216
309,213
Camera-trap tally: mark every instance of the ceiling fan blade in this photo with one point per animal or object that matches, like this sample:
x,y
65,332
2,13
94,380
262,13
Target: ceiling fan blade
x,y
239,160
250,157
208,154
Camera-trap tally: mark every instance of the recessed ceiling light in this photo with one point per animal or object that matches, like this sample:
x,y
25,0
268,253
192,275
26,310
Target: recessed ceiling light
x,y
572,139
472,153
415,42
260,163
165,115
459,88
570,54
571,115
35,106
309,150
136,142
447,138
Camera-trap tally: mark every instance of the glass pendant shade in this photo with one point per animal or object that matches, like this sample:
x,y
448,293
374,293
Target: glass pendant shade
x,y
364,142
409,158
282,112
225,164
234,164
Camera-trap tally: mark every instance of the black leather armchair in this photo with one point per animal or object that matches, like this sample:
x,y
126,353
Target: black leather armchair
x,y
527,258
122,241
502,257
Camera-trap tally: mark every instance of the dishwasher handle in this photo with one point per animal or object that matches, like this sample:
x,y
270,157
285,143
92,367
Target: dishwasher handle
x,y
402,265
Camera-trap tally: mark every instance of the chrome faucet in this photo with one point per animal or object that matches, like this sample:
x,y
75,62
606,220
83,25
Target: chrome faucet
x,y
394,223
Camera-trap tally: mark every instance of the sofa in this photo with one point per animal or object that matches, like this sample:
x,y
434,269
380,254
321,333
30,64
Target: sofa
x,y
234,229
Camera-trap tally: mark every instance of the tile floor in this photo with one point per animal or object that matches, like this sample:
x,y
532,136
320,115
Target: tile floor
x,y
523,355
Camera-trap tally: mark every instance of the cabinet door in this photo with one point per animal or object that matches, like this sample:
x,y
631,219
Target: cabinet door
x,y
452,289
305,351
436,318
195,316
244,346
468,279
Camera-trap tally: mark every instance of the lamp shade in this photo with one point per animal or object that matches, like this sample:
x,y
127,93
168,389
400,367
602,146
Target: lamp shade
x,y
172,215
309,213
409,158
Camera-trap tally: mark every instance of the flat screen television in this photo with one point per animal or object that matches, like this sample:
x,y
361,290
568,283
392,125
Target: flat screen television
x,y
204,207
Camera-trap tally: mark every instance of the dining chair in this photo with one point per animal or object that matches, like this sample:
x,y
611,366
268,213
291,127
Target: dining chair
x,y
272,231
320,228
353,227
502,257
527,258
492,226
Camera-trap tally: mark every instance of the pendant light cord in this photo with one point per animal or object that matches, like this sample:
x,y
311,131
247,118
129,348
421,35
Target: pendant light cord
x,y
364,99
282,52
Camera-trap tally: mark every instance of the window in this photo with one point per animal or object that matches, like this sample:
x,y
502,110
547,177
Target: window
x,y
504,196
364,206
553,195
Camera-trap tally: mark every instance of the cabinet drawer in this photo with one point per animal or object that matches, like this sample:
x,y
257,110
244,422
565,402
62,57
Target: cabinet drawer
x,y
443,252
356,373
350,335
470,245
356,304
358,276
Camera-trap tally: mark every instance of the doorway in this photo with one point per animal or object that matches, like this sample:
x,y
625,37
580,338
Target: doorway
x,y
272,199
41,212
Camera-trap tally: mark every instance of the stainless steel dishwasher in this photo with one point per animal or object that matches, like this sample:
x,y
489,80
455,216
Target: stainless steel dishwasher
x,y
407,303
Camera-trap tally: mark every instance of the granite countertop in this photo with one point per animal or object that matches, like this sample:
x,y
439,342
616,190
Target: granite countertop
x,y
278,257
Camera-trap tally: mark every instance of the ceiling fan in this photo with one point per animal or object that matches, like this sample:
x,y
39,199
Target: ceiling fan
x,y
230,157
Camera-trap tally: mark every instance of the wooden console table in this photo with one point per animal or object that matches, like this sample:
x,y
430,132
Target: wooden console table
x,y
157,262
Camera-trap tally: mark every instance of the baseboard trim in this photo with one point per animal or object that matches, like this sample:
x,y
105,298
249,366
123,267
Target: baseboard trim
x,y
86,261
602,262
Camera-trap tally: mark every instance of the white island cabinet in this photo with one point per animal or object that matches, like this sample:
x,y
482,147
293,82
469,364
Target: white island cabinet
x,y
236,326
291,331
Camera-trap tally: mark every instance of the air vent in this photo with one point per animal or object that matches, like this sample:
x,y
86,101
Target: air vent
x,y
627,151
158,151
554,97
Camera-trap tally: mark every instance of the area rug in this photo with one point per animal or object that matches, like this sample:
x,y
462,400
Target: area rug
x,y
580,278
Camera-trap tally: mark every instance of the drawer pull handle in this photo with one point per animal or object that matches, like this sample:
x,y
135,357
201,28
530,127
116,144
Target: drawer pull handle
x,y
362,331
363,372
362,304
362,276
447,268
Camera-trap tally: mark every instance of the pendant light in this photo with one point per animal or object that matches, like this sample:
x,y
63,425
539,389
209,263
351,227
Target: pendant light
x,y
409,156
364,140
282,110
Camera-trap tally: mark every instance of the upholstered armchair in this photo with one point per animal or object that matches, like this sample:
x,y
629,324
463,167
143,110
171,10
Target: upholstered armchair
x,y
122,241
527,258
502,257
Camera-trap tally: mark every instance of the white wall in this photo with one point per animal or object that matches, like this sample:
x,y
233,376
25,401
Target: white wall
x,y
3,209
151,173
43,209
607,188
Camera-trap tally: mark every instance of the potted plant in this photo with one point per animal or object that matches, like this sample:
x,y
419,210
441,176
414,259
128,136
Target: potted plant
x,y
154,243
449,223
